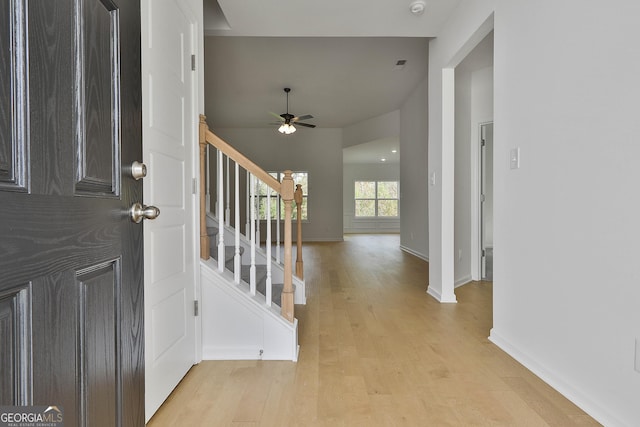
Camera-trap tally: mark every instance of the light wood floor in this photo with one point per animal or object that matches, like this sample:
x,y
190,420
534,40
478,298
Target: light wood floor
x,y
376,350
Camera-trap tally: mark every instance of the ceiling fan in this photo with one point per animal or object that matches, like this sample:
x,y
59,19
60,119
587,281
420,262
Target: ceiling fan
x,y
287,120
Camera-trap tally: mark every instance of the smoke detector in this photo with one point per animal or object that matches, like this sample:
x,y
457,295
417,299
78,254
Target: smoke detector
x,y
417,7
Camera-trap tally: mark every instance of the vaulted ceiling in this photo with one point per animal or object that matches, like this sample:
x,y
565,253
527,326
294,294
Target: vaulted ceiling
x,y
338,57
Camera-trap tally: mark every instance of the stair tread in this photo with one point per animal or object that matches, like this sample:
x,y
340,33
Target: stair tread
x,y
245,272
229,252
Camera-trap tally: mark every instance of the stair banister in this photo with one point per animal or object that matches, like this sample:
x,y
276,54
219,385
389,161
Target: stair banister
x,y
285,189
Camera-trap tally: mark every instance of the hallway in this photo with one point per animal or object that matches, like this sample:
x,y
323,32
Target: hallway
x,y
375,350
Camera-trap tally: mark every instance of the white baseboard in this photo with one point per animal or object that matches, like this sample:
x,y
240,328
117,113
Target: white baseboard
x,y
462,281
556,381
414,253
323,239
438,296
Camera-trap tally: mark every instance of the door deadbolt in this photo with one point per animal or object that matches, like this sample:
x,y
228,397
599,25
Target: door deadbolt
x,y
138,170
139,212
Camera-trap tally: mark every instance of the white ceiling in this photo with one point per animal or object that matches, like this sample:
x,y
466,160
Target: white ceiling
x,y
340,81
303,18
337,56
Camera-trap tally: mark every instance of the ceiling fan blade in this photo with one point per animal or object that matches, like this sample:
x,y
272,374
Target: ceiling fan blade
x,y
305,117
307,125
278,116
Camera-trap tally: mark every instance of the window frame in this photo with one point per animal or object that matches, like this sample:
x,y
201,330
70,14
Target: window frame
x,y
274,197
375,199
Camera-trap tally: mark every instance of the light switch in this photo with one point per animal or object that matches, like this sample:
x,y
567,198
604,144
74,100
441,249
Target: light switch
x,y
514,158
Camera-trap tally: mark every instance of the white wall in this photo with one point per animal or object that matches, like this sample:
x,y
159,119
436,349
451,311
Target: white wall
x,y
566,281
379,127
414,225
317,151
463,177
367,172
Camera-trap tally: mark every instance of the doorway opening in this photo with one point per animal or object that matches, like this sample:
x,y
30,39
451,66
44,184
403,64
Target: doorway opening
x,y
486,201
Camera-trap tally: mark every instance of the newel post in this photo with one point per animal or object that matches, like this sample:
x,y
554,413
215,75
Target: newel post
x,y
287,291
202,142
299,263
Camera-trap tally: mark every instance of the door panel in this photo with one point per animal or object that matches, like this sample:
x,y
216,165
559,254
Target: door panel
x,y
13,144
71,259
6,149
100,112
169,129
15,371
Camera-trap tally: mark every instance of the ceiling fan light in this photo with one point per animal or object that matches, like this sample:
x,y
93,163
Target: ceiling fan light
x,y
287,129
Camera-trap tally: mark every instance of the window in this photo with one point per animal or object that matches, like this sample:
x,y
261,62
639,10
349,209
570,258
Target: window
x,y
376,199
264,191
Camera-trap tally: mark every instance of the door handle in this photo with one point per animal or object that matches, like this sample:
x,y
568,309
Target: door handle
x,y
139,212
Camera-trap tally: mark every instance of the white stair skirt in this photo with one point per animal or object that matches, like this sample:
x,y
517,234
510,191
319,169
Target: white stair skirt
x,y
239,326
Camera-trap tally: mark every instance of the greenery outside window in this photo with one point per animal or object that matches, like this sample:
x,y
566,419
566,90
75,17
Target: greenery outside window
x,y
263,191
376,199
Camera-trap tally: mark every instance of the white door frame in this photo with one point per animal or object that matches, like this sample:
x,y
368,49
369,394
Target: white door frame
x,y
476,203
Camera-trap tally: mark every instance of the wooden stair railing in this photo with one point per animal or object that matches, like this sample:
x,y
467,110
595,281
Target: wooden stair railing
x,y
286,192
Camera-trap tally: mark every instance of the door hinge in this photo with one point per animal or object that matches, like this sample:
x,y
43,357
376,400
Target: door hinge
x,y
482,198
484,253
194,189
483,142
195,308
193,62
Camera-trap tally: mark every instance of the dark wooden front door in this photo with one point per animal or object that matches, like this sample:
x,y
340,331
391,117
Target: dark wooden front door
x,y
71,280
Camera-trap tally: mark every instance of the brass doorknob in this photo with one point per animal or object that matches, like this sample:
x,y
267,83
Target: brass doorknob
x,y
139,212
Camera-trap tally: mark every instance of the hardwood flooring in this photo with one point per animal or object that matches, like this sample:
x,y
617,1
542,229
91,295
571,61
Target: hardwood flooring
x,y
375,350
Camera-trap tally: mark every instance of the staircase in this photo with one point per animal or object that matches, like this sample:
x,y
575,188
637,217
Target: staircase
x,y
248,295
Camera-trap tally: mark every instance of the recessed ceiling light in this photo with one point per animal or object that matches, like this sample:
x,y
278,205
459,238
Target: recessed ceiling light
x,y
383,159
394,151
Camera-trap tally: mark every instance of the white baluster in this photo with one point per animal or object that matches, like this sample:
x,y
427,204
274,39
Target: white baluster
x,y
268,248
247,229
216,187
227,213
220,216
252,269
257,202
237,261
278,229
208,183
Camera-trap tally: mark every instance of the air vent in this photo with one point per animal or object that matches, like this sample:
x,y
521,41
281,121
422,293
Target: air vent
x,y
400,63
